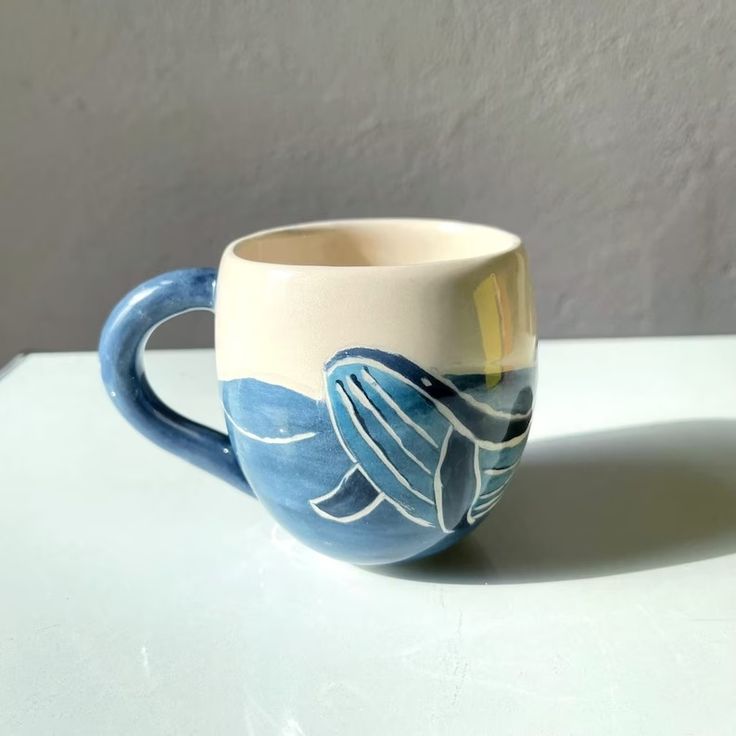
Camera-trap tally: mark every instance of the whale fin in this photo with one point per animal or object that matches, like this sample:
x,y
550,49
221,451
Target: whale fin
x,y
390,429
351,499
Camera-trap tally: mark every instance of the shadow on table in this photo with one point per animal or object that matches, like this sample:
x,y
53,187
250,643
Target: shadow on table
x,y
602,503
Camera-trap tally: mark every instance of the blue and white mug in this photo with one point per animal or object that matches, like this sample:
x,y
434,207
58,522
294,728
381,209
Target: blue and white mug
x,y
377,377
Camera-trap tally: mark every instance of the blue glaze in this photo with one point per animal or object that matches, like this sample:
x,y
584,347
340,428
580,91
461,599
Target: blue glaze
x,y
394,463
335,472
121,357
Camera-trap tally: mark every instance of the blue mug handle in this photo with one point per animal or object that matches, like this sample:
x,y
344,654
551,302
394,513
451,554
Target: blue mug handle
x,y
122,343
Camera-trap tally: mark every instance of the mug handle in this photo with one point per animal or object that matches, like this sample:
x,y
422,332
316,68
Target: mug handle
x,y
122,343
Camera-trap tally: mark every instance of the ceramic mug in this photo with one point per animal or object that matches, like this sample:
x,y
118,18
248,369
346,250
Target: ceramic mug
x,y
376,376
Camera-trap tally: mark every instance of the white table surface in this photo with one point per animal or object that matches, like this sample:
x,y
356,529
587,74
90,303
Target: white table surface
x,y
140,596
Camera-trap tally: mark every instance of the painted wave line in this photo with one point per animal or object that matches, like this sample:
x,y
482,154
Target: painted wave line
x,y
488,408
268,440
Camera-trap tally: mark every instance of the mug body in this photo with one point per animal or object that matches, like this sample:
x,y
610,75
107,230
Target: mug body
x,y
377,378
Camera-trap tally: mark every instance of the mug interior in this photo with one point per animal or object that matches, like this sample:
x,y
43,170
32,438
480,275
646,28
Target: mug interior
x,y
377,242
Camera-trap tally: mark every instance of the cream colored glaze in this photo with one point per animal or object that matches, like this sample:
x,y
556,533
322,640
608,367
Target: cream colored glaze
x,y
452,297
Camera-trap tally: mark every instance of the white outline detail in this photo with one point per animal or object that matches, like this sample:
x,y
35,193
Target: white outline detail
x,y
269,440
486,507
487,408
345,398
441,408
476,495
336,429
370,507
501,471
334,491
438,489
352,517
414,519
490,494
489,500
363,399
402,414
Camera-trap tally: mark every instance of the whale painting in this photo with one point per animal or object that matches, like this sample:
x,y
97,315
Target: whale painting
x,y
425,454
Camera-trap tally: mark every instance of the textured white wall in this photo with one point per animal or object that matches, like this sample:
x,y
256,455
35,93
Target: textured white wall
x,y
137,137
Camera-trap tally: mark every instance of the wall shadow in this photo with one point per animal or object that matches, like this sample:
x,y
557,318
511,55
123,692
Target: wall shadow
x,y
602,503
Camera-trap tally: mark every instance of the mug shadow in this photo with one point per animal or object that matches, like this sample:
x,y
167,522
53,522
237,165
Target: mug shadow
x,y
599,504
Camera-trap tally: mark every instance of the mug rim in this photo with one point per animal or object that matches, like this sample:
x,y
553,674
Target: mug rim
x,y
500,243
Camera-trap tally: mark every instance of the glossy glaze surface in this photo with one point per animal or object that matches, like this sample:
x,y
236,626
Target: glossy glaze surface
x,y
377,377
121,348
394,462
